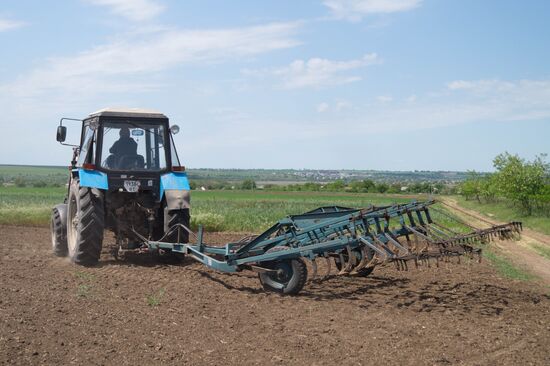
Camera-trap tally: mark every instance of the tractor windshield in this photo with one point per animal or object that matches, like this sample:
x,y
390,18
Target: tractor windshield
x,y
133,146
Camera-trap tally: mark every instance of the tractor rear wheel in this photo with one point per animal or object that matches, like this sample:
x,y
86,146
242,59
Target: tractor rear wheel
x,y
289,278
172,218
175,217
58,228
85,224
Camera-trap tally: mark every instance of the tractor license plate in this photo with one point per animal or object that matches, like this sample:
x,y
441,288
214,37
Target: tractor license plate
x,y
131,185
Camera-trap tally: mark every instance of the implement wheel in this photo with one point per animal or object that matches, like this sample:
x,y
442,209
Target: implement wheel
x,y
58,228
289,279
85,224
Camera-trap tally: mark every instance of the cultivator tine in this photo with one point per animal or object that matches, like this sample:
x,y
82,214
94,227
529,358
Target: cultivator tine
x,y
314,270
327,258
363,262
348,265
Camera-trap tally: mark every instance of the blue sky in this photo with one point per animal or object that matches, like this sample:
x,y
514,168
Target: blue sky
x,y
333,84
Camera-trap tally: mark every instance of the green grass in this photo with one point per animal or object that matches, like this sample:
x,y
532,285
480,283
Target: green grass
x,y
32,170
248,211
542,250
155,298
84,288
505,268
28,206
503,211
256,210
216,210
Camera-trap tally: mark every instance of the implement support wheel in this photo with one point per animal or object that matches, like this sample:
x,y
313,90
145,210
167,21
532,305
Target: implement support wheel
x,y
289,278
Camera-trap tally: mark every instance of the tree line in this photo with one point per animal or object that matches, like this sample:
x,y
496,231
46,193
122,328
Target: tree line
x,y
523,183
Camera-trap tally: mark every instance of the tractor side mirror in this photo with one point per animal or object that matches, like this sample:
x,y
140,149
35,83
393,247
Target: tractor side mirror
x,y
61,133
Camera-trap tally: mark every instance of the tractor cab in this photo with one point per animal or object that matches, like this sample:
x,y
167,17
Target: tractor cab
x,y
126,140
127,164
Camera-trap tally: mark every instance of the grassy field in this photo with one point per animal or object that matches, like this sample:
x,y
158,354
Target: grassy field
x,y
217,210
506,212
244,211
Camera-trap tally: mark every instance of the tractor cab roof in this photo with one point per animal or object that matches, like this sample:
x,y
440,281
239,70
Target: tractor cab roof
x,y
128,112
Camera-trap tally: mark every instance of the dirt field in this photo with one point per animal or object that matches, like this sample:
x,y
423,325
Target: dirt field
x,y
138,313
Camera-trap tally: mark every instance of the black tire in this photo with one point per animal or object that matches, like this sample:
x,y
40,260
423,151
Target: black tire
x,y
363,272
290,278
58,228
85,224
172,218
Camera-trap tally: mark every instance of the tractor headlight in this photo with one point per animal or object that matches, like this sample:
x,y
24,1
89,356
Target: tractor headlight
x,y
174,129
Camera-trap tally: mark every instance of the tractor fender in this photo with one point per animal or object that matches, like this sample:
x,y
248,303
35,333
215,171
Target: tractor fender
x,y
93,179
177,199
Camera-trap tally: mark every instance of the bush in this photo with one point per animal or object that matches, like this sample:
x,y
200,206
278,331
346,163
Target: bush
x,y
248,184
20,182
209,221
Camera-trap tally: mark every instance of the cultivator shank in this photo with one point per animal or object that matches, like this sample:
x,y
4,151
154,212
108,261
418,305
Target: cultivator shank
x,y
356,240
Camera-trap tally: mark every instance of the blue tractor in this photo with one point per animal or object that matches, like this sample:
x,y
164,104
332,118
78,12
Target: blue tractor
x,y
126,177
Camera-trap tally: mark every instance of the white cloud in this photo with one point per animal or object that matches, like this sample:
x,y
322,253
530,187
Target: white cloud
x,y
355,10
135,10
322,107
343,104
411,98
134,63
463,102
8,24
317,72
384,98
483,86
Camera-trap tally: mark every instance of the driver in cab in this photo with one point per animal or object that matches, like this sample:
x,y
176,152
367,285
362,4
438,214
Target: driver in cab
x,y
125,145
123,149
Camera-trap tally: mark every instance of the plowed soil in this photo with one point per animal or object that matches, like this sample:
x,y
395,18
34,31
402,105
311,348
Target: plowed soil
x,y
141,312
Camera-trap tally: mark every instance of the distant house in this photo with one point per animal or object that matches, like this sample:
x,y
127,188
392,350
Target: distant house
x,y
404,188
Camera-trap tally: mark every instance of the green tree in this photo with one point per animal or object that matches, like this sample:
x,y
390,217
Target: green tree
x,y
520,180
248,184
337,185
471,187
382,187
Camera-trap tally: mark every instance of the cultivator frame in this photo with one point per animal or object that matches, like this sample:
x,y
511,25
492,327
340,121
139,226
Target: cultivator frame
x,y
356,240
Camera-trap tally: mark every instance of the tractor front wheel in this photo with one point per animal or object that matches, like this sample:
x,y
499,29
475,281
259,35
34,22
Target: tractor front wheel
x,y
85,224
287,277
58,228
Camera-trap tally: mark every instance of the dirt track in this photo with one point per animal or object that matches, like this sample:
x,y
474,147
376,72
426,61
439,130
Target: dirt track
x,y
52,312
520,252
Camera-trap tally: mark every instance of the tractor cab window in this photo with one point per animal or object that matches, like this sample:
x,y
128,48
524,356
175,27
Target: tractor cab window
x,y
86,148
133,146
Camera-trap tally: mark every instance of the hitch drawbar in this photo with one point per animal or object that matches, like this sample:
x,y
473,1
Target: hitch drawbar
x,y
355,240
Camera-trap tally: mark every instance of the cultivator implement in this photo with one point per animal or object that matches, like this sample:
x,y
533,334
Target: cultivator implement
x,y
354,240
